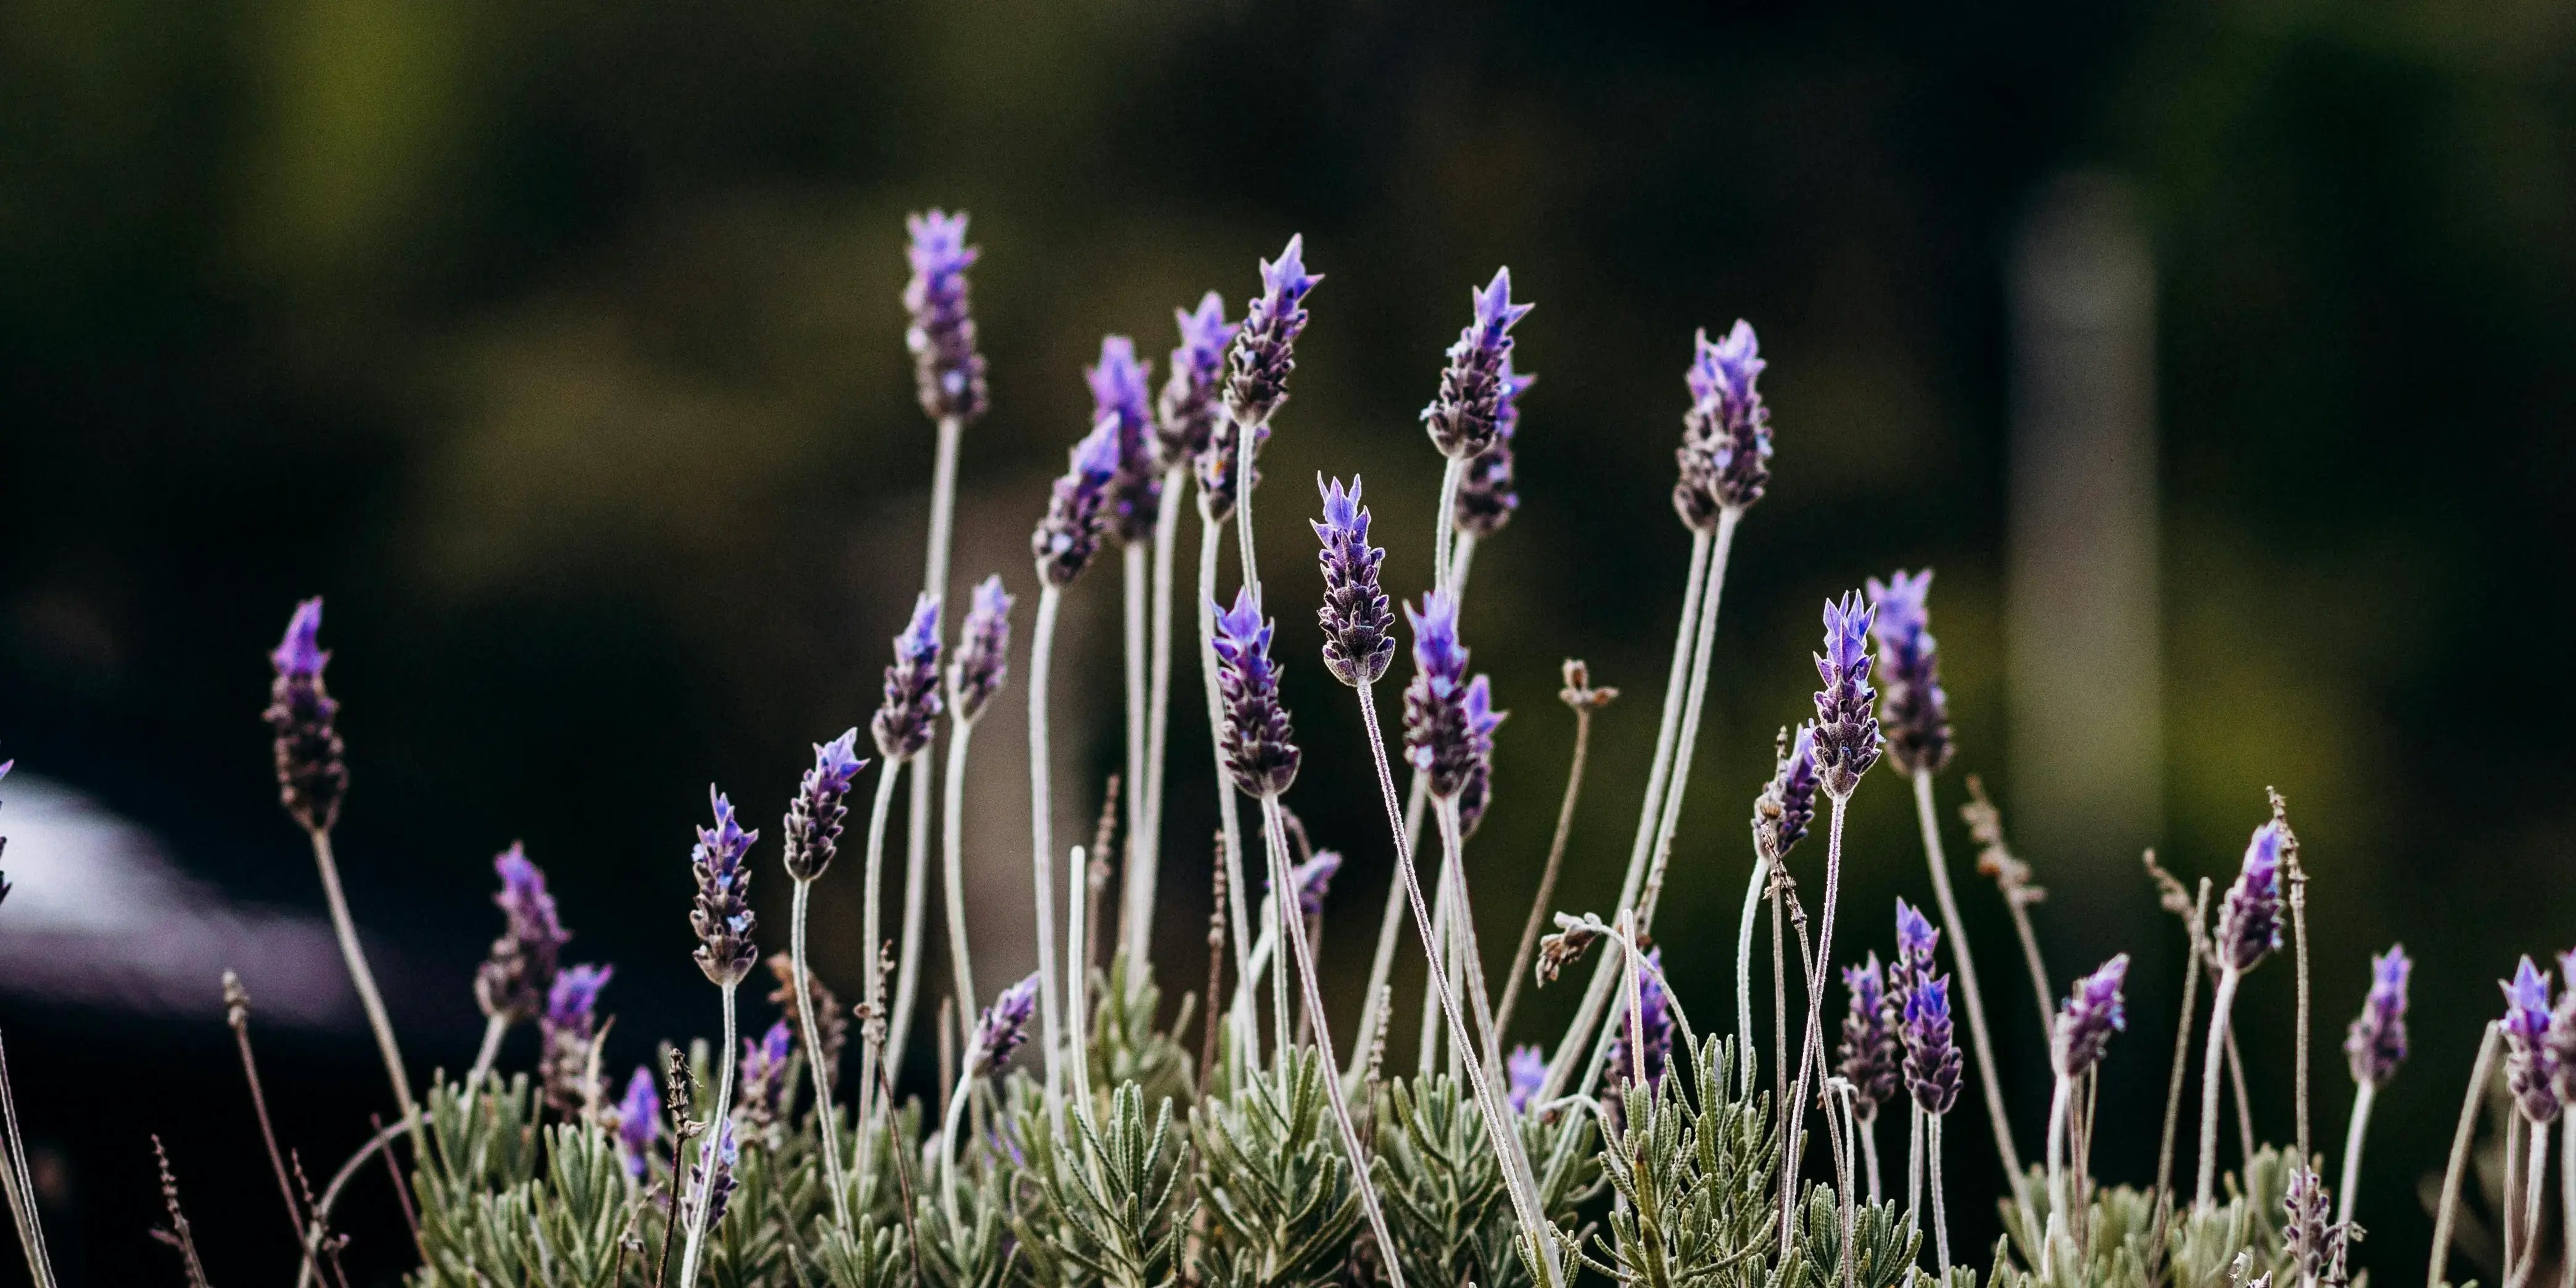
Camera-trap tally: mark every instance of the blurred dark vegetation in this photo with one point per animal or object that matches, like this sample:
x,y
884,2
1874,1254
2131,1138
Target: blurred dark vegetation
x,y
559,346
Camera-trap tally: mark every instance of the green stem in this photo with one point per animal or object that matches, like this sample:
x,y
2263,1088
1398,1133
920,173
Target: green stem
x,y
814,1061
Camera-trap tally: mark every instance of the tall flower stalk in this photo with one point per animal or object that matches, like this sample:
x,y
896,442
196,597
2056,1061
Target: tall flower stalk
x,y
2249,929
811,837
722,919
511,984
1121,396
1932,1079
1466,418
2085,1023
906,719
2374,1046
2532,1075
975,673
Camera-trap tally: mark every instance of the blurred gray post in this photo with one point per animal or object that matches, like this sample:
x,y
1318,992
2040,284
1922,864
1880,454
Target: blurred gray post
x,y
2083,625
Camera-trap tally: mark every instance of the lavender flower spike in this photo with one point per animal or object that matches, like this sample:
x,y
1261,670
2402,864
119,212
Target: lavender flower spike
x,y
639,1122
2249,923
2376,1043
1725,454
2308,1233
813,827
2090,1015
513,980
1265,348
1119,392
1655,1019
1916,711
1916,940
763,1072
1847,740
714,1194
910,710
1258,753
1526,1072
565,1033
1870,1055
1069,535
948,374
1313,880
1189,410
1463,420
1359,628
1787,805
1001,1027
722,914
983,658
1449,720
1485,496
312,765
2530,1067
1932,1058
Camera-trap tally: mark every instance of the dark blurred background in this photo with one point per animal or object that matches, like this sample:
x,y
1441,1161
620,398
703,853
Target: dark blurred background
x,y
2215,353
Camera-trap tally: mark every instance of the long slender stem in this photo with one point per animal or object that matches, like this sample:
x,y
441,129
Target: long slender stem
x,y
1229,819
1913,1167
1815,1010
238,1015
1042,849
2244,1100
2221,1002
2535,1182
365,982
916,896
2031,961
1247,437
1869,1153
2182,1049
2299,954
1444,526
1147,876
2060,1104
1437,947
871,935
1288,926
1077,975
1744,977
952,846
2354,1131
1506,1144
1545,898
1940,1217
1667,730
813,1038
956,1119
21,1186
1135,590
1779,1011
2512,1211
1983,1044
1668,819
1470,956
707,1153
1462,556
2567,1200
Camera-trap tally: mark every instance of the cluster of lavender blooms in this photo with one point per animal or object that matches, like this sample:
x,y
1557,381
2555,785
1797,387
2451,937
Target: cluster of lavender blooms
x,y
771,1159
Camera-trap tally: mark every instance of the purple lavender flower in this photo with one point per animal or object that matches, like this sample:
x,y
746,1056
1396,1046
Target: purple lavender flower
x,y
1120,392
1932,1058
983,657
1069,535
564,1036
1359,628
511,984
1847,740
312,765
1917,712
721,913
1486,497
2530,1067
714,1194
1655,1018
1449,720
1916,940
909,714
1265,348
2090,1015
2376,1043
1216,467
1474,796
1189,408
1870,1056
1313,880
763,1075
2308,1232
1526,1072
813,827
947,373
639,1122
1258,753
1464,418
1725,454
1787,804
1001,1027
2249,923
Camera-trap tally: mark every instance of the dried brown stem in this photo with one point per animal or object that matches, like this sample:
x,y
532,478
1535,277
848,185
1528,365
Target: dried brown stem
x,y
1579,694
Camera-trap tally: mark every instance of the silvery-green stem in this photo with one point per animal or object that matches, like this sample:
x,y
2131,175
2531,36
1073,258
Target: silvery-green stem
x,y
1744,975
1143,882
2244,1101
1913,1167
1229,819
2032,963
953,864
1496,1113
1042,850
1288,927
1541,902
956,1120
1132,859
1380,998
1668,727
871,934
2362,1096
2298,882
943,509
1668,819
697,1236
1940,1217
1462,555
1077,976
2182,1050
813,1038
2221,1002
2060,1103
1444,528
2458,1167
21,1188
493,1028
1779,1012
1277,908
2567,1199
1246,437
1470,959
2535,1177
916,895
2512,1211
1869,1153
1982,1044
1808,1046
346,929
1438,948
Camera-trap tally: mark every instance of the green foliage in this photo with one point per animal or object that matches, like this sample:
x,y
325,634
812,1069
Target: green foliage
x,y
2121,1243
974,1251
1882,1250
1278,1195
874,1255
574,1226
1694,1173
1125,1045
1101,1210
1446,1203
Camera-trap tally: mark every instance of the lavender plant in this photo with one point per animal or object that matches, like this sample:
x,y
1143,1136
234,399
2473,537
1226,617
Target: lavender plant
x,y
1127,1155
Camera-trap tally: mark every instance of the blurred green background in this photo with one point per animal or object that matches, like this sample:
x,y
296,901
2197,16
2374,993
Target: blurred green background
x,y
559,346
